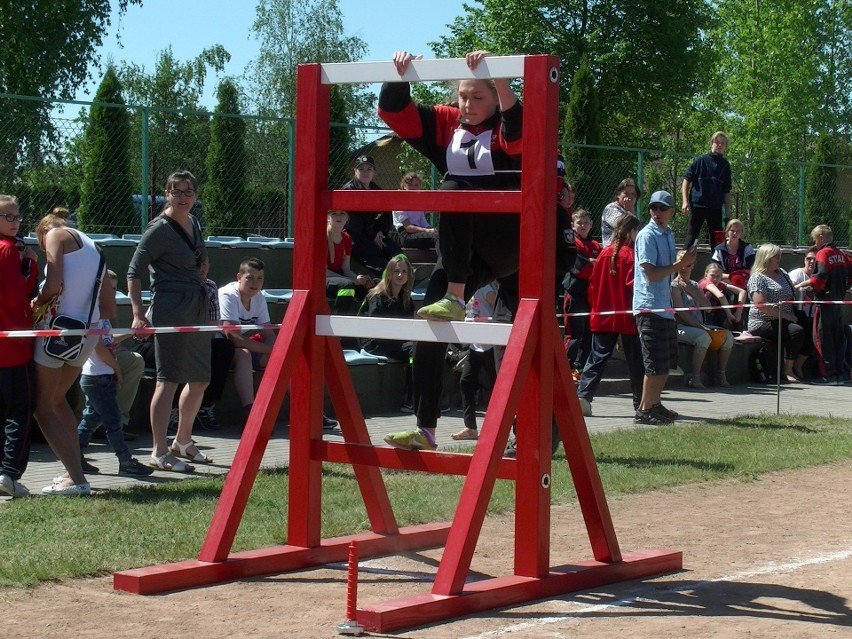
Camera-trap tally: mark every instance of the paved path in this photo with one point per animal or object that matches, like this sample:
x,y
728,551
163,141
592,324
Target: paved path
x,y
611,413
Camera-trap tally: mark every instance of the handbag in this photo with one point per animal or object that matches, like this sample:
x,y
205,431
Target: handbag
x,y
69,347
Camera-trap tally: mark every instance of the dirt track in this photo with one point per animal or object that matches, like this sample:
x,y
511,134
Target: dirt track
x,y
771,558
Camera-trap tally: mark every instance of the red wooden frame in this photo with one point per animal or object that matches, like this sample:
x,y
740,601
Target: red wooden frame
x,y
534,384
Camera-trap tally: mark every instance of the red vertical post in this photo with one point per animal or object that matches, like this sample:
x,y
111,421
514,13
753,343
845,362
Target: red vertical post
x,y
312,143
537,274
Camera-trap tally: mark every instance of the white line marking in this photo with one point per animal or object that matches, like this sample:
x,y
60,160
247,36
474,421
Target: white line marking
x,y
772,568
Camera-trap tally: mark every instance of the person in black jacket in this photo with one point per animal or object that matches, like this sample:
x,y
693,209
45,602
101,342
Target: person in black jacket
x,y
706,188
370,230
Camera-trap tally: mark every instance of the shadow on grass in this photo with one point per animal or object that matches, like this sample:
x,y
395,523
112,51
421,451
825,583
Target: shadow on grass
x,y
750,422
657,462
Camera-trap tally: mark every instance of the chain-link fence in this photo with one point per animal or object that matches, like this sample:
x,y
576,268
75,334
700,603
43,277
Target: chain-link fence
x,y
113,184
777,201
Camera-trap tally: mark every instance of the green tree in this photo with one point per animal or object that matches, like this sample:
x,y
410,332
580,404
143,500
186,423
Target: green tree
x,y
582,126
105,200
48,50
178,128
224,191
648,57
769,220
292,33
784,71
821,204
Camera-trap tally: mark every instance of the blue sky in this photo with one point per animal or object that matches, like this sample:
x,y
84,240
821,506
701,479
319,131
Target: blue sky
x,y
191,25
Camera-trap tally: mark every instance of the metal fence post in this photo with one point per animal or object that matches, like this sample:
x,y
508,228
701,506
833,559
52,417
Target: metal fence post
x,y
291,173
144,173
801,221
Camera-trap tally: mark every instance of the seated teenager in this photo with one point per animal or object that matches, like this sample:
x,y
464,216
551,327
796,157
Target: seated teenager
x,y
412,227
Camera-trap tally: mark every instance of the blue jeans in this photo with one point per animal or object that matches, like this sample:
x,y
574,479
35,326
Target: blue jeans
x,y
102,408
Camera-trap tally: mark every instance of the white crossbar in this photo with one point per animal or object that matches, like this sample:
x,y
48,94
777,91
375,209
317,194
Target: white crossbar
x,y
422,70
416,330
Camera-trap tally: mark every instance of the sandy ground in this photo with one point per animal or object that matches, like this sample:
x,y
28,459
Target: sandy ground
x,y
768,558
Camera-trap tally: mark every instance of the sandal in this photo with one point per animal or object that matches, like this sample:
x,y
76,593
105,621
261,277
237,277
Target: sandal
x,y
722,380
466,434
693,381
170,463
179,450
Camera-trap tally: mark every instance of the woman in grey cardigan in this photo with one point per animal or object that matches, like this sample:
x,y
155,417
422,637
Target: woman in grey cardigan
x,y
172,250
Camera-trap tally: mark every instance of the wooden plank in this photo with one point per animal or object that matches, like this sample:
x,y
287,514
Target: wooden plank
x,y
273,386
418,610
422,70
413,329
426,461
275,560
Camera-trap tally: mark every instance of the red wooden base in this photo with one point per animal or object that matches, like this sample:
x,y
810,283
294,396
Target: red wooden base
x,y
275,560
418,610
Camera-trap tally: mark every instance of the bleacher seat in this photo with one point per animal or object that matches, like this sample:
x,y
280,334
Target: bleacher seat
x,y
225,239
132,236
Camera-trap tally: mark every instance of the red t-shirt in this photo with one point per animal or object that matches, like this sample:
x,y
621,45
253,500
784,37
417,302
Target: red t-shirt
x,y
341,250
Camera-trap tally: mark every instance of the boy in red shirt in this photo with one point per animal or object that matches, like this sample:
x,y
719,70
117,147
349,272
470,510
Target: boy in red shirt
x,y
17,377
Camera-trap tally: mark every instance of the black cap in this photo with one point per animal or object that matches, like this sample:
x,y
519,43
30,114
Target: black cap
x,y
364,159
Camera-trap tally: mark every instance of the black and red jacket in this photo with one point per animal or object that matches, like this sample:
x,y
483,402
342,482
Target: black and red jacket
x,y
431,130
17,279
832,273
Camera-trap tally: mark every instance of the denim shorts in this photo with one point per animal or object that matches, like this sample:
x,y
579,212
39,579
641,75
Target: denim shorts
x,y
658,336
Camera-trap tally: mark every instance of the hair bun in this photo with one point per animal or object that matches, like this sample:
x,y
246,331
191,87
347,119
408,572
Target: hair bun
x,y
60,212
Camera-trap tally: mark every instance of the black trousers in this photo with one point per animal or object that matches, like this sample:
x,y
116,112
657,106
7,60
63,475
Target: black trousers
x,y
603,346
221,356
17,403
469,383
829,339
698,215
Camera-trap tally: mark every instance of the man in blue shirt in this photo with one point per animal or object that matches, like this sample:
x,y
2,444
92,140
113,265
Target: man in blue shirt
x,y
655,263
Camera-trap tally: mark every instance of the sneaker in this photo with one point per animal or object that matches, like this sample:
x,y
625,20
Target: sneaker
x,y
827,381
419,439
133,467
586,407
511,448
665,412
447,309
12,487
207,418
173,422
88,468
328,423
650,417
407,408
80,490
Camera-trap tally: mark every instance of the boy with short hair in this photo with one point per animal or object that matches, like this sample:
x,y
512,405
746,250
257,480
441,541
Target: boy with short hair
x,y
99,382
578,342
240,305
18,277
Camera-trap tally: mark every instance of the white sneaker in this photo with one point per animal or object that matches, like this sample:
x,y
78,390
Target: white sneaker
x,y
74,489
13,488
585,406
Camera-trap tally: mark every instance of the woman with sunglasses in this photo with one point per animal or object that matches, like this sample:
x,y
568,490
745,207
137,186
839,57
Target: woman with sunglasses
x,y
171,251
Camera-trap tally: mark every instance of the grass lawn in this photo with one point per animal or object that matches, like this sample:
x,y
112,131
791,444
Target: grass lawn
x,y
59,538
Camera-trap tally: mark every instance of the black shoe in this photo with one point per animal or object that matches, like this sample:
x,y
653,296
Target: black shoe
x,y
511,449
206,418
328,423
173,422
665,412
650,417
407,408
88,468
133,467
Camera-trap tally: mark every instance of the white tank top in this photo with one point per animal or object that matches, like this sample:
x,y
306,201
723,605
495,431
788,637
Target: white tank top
x,y
78,277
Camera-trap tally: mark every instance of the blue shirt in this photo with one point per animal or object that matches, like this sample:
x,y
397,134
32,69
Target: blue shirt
x,y
654,245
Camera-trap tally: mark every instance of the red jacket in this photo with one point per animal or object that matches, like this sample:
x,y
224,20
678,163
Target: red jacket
x,y
832,273
609,292
15,312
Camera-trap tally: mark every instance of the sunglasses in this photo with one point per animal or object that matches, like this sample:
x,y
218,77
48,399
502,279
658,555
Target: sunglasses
x,y
660,207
